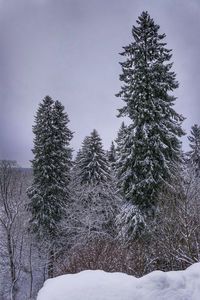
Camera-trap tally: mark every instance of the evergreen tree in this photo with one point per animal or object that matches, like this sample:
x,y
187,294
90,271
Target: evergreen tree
x,y
94,167
51,164
76,170
194,154
62,151
95,200
152,147
121,137
112,154
120,148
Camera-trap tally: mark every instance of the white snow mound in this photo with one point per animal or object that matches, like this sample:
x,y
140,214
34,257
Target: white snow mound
x,y
99,285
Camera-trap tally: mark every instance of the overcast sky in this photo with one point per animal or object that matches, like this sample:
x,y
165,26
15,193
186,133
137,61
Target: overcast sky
x,y
69,50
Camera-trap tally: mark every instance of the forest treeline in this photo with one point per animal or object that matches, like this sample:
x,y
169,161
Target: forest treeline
x,y
134,208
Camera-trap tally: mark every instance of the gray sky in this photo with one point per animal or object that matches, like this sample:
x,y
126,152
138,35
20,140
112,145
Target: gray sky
x,y
69,50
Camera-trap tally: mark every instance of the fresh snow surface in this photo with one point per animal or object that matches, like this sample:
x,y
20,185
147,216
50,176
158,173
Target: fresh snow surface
x,y
99,285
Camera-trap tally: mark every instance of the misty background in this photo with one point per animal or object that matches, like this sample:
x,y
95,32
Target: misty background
x,y
69,50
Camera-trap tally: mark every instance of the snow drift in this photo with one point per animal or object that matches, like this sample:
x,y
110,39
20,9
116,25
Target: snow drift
x,y
99,285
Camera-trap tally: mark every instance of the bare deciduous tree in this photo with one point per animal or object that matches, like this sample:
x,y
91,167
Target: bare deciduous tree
x,y
12,227
178,224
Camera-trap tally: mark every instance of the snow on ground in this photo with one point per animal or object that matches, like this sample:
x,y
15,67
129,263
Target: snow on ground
x,y
99,285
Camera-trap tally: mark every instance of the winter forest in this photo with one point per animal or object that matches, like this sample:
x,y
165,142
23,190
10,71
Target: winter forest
x,y
134,208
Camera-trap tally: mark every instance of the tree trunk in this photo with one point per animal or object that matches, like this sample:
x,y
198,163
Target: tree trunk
x,y
12,266
50,263
31,271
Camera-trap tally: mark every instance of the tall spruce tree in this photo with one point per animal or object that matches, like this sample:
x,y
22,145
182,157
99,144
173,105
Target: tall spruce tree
x,y
194,153
152,146
63,153
51,164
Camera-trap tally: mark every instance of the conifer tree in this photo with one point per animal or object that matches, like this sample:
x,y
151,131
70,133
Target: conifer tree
x,y
152,147
112,154
194,153
63,153
51,164
76,170
120,148
121,137
94,167
95,199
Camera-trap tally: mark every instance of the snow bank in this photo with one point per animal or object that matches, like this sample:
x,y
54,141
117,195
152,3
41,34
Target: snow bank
x,y
99,285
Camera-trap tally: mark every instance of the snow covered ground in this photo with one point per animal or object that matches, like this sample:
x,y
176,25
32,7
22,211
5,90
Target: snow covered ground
x,y
99,285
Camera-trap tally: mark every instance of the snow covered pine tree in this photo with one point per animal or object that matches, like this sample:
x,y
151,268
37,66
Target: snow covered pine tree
x,y
152,147
95,191
94,165
52,160
112,154
120,148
